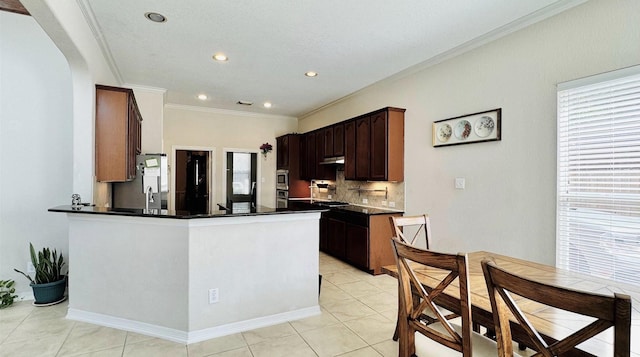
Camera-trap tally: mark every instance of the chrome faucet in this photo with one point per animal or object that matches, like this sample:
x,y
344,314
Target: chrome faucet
x,y
148,195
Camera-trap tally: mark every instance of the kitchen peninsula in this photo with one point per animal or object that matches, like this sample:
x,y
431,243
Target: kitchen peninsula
x,y
188,278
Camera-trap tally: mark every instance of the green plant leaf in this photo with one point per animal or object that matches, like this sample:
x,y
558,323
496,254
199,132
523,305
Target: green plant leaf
x,y
34,260
48,265
28,277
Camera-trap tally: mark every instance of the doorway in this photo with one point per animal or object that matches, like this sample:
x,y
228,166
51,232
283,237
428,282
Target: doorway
x,y
192,181
241,177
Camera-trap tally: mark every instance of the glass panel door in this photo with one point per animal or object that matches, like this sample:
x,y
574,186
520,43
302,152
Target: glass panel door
x,y
241,178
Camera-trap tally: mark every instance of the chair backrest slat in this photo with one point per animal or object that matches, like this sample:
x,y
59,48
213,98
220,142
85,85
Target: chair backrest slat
x,y
414,298
420,223
609,311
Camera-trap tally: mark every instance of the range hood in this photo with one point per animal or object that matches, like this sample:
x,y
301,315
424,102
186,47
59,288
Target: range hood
x,y
333,160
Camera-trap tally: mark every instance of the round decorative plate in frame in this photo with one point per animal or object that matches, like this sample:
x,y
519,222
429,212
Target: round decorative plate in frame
x,y
462,129
444,133
484,126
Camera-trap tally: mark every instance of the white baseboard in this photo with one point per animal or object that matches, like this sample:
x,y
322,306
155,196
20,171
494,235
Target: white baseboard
x,y
128,325
246,325
193,336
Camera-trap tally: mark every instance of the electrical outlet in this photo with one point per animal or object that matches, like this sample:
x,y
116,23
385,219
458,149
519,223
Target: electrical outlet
x,y
460,183
392,204
213,296
329,197
384,203
30,268
364,200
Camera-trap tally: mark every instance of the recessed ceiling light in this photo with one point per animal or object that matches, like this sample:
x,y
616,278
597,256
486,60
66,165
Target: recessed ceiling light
x,y
202,97
220,57
245,102
267,104
155,17
311,74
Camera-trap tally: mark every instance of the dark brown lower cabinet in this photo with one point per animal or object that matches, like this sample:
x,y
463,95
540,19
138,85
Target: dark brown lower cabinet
x,y
360,239
357,245
336,237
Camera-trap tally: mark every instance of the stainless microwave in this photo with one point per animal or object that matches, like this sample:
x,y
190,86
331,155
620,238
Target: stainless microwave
x,y
282,179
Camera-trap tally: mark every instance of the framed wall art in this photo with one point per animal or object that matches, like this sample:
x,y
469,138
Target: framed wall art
x,y
466,129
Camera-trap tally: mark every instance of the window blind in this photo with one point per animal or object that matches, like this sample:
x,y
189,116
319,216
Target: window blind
x,y
598,199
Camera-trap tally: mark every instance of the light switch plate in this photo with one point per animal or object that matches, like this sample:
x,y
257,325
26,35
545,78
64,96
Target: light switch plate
x,y
213,296
460,183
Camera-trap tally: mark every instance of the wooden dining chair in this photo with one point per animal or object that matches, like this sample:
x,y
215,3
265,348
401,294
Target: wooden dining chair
x,y
410,230
415,299
421,224
609,311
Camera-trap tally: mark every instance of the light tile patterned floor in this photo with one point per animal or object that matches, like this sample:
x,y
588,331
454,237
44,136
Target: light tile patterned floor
x,y
357,320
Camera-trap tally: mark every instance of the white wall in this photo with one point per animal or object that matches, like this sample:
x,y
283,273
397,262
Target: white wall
x,y
53,117
151,104
193,256
65,24
508,205
220,129
36,144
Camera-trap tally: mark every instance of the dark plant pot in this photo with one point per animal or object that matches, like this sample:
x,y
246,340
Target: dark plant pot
x,y
49,292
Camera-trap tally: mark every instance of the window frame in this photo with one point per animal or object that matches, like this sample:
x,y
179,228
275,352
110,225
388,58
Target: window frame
x,y
581,219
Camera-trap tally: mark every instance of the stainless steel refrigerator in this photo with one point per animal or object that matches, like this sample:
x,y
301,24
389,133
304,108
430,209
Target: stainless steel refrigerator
x,y
152,176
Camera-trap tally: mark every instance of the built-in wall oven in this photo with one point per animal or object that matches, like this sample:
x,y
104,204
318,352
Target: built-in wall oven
x,y
282,188
282,198
282,180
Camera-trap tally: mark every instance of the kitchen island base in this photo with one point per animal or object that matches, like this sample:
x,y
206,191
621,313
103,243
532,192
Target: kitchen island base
x,y
154,275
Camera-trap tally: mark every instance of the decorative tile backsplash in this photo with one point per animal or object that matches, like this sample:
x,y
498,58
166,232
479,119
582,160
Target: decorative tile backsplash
x,y
378,194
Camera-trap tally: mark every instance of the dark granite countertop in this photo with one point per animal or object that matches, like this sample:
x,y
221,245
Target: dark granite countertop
x,y
365,210
237,211
348,207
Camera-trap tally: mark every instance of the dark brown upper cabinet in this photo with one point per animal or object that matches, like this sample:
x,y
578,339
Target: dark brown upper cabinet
x,y
323,172
338,139
328,141
118,134
363,147
372,145
283,150
350,150
387,145
311,158
333,140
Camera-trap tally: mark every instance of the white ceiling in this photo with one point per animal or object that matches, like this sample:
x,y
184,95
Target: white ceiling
x,y
271,44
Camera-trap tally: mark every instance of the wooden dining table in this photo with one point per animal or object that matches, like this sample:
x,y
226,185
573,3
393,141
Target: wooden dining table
x,y
551,323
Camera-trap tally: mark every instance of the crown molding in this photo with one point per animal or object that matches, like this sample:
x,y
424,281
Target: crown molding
x,y
516,25
145,88
90,18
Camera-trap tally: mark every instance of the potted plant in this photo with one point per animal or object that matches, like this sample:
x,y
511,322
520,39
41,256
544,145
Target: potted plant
x,y
7,293
266,148
49,283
